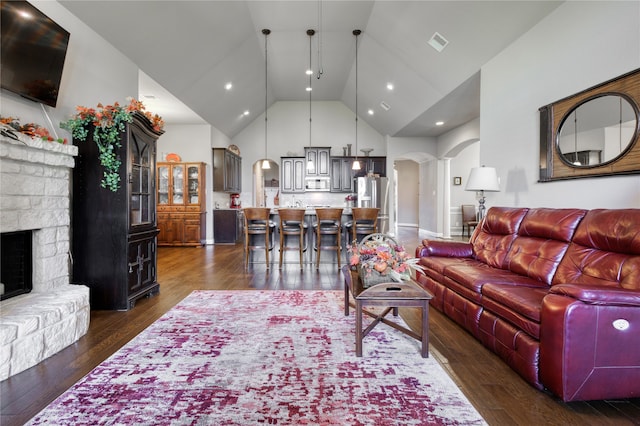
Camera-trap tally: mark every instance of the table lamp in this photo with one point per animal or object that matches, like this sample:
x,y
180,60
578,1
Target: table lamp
x,y
482,179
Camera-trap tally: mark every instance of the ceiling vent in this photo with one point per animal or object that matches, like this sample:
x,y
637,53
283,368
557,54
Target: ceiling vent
x,y
438,42
385,106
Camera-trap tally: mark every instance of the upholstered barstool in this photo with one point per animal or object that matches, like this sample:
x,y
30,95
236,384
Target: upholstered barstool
x,y
292,225
364,222
329,223
257,223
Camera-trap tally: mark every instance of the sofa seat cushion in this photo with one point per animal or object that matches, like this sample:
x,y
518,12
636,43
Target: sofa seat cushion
x,y
518,305
467,279
439,264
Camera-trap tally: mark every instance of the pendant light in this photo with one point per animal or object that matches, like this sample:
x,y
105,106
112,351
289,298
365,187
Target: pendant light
x,y
356,163
265,162
311,166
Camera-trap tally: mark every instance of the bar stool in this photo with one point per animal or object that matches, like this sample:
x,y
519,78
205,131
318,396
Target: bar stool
x,y
256,222
364,222
292,225
329,223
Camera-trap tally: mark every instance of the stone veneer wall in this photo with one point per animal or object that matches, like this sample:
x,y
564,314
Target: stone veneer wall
x,y
35,195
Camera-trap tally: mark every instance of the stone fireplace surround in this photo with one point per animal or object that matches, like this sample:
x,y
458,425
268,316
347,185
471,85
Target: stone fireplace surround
x,y
35,195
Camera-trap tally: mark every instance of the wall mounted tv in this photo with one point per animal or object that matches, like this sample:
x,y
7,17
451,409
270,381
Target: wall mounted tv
x,y
32,52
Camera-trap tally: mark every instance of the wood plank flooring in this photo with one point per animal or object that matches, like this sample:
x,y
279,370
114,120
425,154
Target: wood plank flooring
x,y
498,393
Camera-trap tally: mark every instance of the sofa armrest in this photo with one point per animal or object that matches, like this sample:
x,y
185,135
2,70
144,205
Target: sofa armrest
x,y
598,295
444,249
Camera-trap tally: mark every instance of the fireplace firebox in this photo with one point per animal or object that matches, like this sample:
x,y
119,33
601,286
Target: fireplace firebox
x,y
16,257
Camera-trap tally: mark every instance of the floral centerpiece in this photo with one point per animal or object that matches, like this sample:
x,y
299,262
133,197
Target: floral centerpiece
x,y
379,258
108,121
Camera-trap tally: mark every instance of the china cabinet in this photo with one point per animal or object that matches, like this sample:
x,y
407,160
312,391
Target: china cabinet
x,y
114,233
181,204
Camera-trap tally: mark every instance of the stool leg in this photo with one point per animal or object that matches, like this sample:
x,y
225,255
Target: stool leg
x,y
281,247
339,250
266,246
318,239
301,245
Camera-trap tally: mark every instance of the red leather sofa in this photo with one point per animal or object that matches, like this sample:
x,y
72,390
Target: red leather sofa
x,y
554,292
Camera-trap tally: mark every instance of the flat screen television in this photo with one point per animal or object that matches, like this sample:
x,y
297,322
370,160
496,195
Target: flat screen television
x,y
32,52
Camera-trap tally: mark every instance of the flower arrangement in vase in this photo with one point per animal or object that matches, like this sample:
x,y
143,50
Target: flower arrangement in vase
x,y
109,122
379,258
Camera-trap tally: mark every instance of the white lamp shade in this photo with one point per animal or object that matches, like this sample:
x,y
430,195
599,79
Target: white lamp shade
x,y
483,179
266,164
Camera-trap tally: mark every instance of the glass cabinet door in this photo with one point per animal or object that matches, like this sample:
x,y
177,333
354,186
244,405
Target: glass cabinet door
x,y
178,184
192,184
163,185
141,181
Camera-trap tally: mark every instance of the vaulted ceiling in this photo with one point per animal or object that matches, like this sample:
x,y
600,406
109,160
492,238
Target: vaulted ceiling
x,y
193,48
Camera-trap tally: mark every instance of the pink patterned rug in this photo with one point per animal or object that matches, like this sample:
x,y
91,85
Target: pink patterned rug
x,y
263,357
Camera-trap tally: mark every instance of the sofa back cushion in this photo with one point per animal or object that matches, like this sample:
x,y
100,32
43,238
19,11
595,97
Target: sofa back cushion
x,y
542,240
605,250
493,238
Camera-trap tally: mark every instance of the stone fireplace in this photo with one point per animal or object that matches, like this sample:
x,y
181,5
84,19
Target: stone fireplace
x,y
35,197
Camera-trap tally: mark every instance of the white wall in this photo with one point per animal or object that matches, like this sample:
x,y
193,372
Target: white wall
x,y
577,46
333,125
407,190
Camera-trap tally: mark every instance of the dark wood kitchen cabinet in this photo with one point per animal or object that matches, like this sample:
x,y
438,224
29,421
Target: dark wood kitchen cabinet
x,y
114,234
227,171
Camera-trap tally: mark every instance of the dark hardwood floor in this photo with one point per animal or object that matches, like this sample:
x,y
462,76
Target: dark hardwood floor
x,y
498,393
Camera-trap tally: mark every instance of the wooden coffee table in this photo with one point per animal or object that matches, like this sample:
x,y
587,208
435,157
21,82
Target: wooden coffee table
x,y
390,296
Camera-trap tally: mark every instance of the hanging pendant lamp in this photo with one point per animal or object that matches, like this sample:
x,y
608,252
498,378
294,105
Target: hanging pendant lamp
x,y
311,166
356,163
265,162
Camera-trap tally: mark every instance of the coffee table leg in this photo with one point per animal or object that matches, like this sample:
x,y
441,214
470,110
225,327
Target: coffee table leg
x,y
358,328
425,329
346,298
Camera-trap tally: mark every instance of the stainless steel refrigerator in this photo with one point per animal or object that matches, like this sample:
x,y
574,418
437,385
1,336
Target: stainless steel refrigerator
x,y
374,192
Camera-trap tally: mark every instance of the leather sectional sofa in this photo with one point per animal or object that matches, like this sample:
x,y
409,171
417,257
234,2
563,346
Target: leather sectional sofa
x,y
554,292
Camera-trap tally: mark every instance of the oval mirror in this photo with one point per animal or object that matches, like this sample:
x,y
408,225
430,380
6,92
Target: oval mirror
x,y
597,131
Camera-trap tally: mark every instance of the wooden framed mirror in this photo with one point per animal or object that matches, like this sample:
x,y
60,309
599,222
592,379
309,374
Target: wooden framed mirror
x,y
593,133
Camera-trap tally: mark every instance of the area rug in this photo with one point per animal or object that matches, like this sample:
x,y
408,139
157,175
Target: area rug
x,y
263,357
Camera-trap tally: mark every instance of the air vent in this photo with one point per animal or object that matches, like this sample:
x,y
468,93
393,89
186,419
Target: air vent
x,y
385,106
438,42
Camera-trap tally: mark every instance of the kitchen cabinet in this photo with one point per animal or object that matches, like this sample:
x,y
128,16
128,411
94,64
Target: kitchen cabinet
x,y
114,234
225,226
377,165
292,174
320,158
181,204
227,171
341,174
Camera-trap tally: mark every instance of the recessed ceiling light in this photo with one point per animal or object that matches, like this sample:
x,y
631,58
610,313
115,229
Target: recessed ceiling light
x,y
309,72
385,106
439,123
438,42
228,86
246,112
389,86
370,112
309,89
